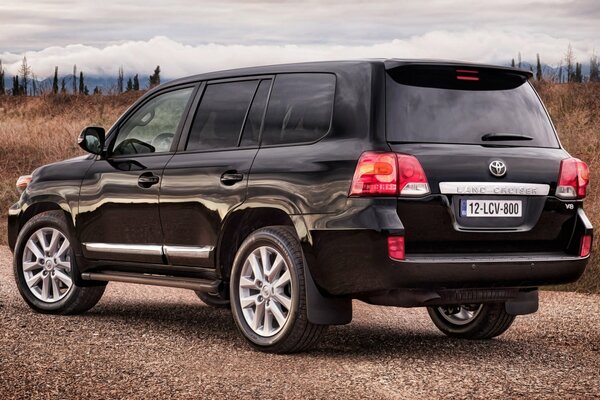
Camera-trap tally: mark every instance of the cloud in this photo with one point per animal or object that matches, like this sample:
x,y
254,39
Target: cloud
x,y
177,59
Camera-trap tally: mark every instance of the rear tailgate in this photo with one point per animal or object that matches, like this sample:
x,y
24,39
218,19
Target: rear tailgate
x,y
491,157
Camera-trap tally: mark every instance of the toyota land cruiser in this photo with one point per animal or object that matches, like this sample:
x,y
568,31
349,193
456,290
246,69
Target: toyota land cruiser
x,y
286,191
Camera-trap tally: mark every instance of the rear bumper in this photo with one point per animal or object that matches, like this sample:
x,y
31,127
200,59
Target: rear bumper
x,y
490,271
355,262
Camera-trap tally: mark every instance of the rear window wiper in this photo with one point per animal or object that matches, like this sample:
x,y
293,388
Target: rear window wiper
x,y
492,137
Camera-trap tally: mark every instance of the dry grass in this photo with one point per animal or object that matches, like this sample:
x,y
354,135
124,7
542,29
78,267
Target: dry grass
x,y
36,131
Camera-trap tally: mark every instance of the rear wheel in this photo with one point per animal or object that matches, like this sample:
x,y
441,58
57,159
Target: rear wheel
x,y
471,321
45,267
268,295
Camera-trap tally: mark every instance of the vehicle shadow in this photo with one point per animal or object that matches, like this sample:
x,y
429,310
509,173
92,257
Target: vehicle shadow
x,y
356,339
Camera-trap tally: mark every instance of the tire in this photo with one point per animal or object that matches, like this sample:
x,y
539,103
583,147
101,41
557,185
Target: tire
x,y
485,321
213,299
52,288
282,326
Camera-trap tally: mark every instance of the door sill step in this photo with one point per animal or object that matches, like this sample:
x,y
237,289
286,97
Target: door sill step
x,y
203,285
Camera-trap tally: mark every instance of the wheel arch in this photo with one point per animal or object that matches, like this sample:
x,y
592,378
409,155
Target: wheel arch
x,y
32,208
237,226
242,222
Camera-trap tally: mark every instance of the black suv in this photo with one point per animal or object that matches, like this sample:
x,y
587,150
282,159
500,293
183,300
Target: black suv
x,y
286,191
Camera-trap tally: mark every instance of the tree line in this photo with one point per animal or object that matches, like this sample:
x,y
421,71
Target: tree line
x,y
567,71
25,82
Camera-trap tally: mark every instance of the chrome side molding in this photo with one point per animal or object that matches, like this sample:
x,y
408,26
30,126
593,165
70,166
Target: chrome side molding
x,y
495,188
135,249
189,252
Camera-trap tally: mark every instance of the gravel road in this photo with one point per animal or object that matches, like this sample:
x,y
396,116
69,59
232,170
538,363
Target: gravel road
x,y
149,342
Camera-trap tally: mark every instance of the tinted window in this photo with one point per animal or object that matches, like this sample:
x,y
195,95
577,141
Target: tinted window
x,y
299,108
438,107
218,121
251,133
151,129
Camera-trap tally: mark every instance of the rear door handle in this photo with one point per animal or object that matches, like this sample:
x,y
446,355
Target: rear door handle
x,y
231,177
148,179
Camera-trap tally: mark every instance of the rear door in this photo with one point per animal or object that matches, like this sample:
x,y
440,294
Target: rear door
x,y
208,176
488,148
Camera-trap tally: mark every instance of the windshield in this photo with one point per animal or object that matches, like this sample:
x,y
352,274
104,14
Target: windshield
x,y
465,106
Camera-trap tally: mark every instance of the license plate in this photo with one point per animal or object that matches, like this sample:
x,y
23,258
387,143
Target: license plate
x,y
491,208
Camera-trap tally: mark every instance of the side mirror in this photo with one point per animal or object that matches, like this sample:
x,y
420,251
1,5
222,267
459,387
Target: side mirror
x,y
91,139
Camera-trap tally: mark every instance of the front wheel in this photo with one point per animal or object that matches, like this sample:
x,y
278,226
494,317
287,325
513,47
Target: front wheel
x,y
45,267
268,295
471,321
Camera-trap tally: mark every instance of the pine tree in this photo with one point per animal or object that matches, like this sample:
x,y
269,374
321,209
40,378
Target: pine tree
x,y
86,92
570,59
97,90
512,63
538,72
74,78
578,77
63,86
154,79
24,72
560,74
119,80
129,85
594,69
16,90
2,88
55,81
519,59
136,82
34,88
81,84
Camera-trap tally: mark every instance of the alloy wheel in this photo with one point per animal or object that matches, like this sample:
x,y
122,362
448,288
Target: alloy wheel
x,y
462,314
47,265
265,291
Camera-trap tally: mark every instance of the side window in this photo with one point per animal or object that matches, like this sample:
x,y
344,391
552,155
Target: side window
x,y
151,129
299,108
251,134
219,118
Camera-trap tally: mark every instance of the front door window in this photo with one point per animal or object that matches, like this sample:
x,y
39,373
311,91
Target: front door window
x,y
151,129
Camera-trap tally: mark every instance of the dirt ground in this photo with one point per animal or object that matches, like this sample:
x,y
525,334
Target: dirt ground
x,y
144,342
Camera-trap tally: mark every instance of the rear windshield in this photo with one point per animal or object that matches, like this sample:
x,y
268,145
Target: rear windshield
x,y
428,104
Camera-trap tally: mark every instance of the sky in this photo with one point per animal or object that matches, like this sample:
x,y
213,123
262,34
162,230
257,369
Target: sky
x,y
186,37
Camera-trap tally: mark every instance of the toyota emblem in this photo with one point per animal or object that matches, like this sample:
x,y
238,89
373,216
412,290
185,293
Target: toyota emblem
x,y
498,168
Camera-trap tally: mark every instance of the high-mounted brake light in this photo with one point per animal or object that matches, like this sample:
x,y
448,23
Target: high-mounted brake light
x,y
586,246
467,75
22,183
573,179
388,174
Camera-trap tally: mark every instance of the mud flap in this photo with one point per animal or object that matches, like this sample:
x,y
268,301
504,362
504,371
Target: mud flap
x,y
323,310
525,303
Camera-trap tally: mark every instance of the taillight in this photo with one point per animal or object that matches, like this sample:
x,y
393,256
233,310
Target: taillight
x,y
376,174
22,183
413,181
396,247
389,174
573,179
586,246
